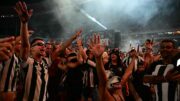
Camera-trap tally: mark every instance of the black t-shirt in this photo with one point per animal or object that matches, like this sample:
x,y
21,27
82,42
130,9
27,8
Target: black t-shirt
x,y
74,83
118,70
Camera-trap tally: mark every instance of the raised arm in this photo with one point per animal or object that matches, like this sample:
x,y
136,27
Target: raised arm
x,y
70,40
24,16
83,53
7,39
59,50
6,48
80,47
128,72
97,49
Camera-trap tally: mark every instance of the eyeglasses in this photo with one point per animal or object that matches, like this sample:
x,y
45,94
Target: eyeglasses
x,y
38,44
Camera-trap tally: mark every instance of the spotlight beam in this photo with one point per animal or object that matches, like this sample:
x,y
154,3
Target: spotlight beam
x,y
93,19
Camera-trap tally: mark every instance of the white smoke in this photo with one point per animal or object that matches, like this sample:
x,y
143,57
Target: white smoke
x,y
114,14
121,15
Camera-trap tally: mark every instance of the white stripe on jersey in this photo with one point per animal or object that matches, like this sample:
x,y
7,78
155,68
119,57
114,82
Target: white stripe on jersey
x,y
177,97
170,67
39,83
28,79
164,85
155,73
127,61
38,79
12,75
46,78
5,75
165,91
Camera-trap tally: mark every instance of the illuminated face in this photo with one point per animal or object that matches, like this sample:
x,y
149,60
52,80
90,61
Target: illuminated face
x,y
113,56
113,83
166,49
38,48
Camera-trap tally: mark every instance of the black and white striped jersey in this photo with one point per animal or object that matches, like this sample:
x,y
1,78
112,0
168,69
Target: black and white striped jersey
x,y
127,61
9,71
165,91
36,78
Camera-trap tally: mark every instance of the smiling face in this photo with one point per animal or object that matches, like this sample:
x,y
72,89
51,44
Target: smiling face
x,y
166,49
113,57
113,82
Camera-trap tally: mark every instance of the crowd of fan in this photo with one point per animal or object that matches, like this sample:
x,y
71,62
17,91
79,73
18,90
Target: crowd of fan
x,y
45,71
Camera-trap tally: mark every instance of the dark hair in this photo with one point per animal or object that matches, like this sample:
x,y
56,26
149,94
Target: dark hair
x,y
116,52
148,40
132,50
72,54
168,40
35,39
88,51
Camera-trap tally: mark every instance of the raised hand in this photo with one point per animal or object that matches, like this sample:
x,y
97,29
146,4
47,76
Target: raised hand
x,y
79,42
6,48
7,39
77,34
95,46
22,11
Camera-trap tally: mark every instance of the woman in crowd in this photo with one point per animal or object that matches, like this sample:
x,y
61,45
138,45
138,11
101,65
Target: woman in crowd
x,y
106,94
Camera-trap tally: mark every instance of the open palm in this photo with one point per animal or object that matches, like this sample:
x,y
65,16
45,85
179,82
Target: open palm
x,y
95,46
22,11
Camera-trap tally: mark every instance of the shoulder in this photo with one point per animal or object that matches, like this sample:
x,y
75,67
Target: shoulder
x,y
153,66
27,62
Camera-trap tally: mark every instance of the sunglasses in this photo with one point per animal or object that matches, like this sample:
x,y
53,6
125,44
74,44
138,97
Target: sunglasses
x,y
38,44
